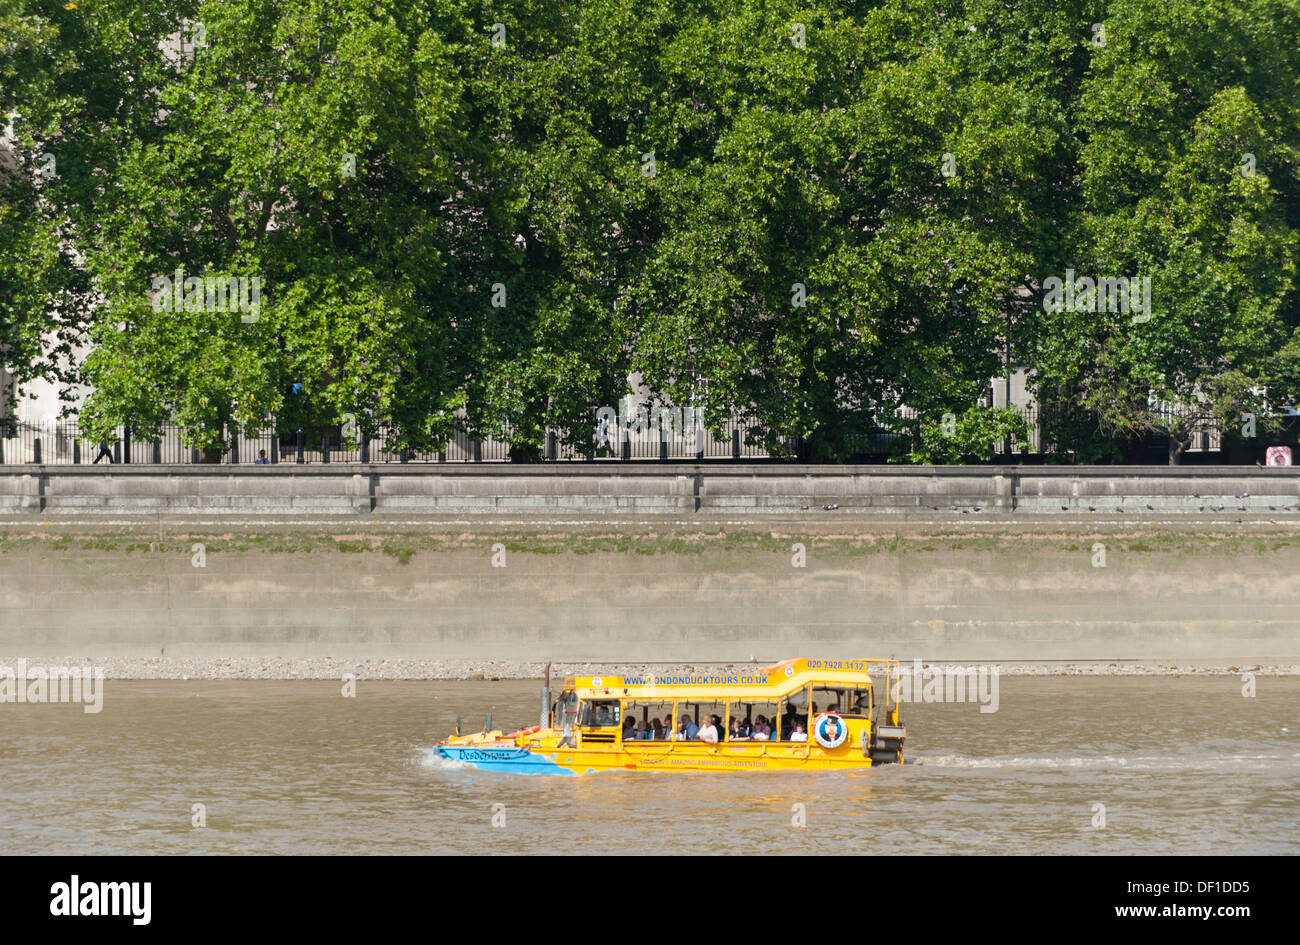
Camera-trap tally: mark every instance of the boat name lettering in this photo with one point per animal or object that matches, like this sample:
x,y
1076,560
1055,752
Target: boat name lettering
x,y
473,754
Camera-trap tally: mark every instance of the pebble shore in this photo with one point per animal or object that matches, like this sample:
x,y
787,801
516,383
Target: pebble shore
x,y
271,668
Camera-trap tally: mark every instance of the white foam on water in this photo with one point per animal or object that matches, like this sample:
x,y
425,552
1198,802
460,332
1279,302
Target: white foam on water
x,y
430,759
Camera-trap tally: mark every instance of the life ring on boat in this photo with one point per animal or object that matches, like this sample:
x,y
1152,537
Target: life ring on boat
x,y
821,727
525,731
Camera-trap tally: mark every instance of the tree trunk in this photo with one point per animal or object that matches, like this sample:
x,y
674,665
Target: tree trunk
x,y
1177,444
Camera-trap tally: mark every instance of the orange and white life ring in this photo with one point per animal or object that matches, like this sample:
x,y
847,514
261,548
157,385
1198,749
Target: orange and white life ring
x,y
822,728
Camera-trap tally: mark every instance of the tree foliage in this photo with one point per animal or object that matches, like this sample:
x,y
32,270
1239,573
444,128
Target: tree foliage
x,y
484,217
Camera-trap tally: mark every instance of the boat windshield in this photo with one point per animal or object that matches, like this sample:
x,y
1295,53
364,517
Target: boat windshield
x,y
600,714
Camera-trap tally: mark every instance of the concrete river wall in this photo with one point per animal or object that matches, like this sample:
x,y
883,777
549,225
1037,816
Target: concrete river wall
x,y
611,487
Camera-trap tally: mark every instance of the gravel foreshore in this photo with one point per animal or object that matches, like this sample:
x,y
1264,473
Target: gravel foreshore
x,y
273,668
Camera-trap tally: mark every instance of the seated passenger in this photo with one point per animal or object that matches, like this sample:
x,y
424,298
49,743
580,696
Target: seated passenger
x,y
687,730
761,731
734,731
602,716
656,730
629,728
642,731
798,735
708,732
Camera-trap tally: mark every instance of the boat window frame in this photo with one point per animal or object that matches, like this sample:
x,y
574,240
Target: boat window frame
x,y
591,703
750,703
807,711
630,703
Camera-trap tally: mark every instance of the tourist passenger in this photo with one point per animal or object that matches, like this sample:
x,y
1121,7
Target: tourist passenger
x,y
709,732
688,730
642,732
629,728
799,735
735,732
656,730
761,731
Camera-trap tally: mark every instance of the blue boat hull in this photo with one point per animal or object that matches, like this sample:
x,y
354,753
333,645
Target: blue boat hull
x,y
508,760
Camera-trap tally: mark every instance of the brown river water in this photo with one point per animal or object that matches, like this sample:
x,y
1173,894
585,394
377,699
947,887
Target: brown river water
x,y
1181,765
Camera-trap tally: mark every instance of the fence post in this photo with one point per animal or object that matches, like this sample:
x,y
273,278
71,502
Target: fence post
x,y
233,439
478,451
663,441
442,456
301,443
365,447
36,450
325,448
76,451
157,453
699,444
117,450
550,445
194,455
126,444
626,449
275,448
404,456
735,443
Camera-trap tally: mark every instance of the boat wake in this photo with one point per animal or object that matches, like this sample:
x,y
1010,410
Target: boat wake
x,y
1207,762
431,759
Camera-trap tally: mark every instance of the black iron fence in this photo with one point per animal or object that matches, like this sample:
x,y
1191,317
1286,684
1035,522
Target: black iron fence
x,y
62,443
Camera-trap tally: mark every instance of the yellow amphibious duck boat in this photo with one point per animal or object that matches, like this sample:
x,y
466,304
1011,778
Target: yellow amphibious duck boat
x,y
818,714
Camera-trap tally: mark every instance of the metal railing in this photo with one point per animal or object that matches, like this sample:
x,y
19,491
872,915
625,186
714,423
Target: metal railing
x,y
63,444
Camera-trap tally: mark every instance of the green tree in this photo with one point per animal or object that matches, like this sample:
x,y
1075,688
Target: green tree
x,y
45,300
845,219
1188,167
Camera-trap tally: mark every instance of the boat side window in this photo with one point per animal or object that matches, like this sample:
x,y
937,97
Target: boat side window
x,y
600,713
832,699
794,711
651,720
857,703
758,719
